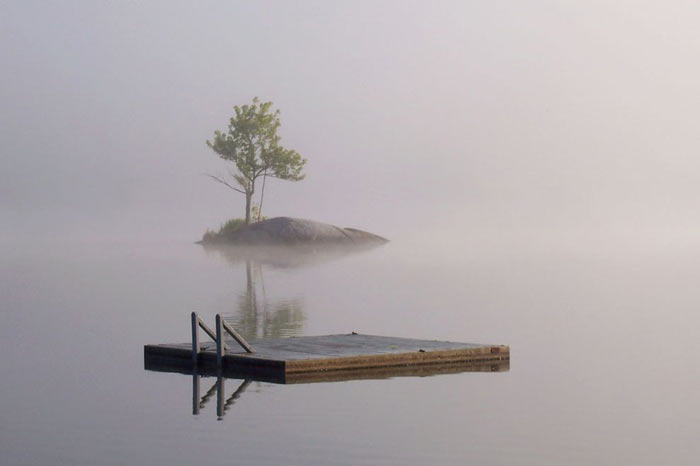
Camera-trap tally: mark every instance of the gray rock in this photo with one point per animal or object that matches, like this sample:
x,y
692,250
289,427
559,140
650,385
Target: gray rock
x,y
290,231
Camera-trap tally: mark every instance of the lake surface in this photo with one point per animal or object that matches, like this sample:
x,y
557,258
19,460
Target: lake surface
x,y
603,356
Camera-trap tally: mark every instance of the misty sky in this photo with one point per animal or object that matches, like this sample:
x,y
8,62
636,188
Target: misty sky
x,y
550,116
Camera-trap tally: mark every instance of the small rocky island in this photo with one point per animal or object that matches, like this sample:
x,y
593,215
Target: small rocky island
x,y
288,231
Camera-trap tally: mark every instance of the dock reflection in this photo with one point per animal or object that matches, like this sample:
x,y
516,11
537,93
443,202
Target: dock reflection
x,y
223,403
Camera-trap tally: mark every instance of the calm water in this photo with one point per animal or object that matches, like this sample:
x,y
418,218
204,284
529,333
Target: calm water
x,y
603,366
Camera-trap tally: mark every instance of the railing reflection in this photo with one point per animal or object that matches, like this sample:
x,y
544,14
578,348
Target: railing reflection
x,y
219,388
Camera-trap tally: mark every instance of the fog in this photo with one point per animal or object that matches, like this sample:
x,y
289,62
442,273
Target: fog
x,y
533,164
522,121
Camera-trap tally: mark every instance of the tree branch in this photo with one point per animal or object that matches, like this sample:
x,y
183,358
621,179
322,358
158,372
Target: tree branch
x,y
261,172
222,181
272,175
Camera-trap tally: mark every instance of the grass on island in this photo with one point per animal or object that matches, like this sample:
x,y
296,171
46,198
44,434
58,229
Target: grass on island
x,y
230,227
225,230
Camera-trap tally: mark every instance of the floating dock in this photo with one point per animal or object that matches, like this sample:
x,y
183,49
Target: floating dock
x,y
321,358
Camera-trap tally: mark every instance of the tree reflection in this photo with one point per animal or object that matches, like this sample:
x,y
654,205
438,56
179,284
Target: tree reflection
x,y
256,316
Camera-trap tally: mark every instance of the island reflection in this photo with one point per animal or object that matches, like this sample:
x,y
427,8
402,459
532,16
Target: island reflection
x,y
255,315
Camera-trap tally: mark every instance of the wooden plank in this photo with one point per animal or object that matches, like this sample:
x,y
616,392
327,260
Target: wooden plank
x,y
396,371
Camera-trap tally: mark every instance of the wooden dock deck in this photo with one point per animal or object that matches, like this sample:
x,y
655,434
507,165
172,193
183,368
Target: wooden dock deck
x,y
329,357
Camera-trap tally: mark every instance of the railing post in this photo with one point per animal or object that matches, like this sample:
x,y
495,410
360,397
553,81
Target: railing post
x,y
195,392
219,341
220,397
195,337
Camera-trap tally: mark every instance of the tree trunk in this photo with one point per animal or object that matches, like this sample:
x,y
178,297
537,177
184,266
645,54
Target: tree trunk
x,y
248,197
262,195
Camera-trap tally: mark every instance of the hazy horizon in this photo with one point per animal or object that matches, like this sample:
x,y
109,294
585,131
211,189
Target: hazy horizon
x,y
545,120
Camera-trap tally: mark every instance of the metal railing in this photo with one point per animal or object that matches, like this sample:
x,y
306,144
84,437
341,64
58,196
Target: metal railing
x,y
218,337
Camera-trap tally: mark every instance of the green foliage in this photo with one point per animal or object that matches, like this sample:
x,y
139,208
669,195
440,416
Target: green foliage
x,y
209,236
230,227
252,144
225,230
255,214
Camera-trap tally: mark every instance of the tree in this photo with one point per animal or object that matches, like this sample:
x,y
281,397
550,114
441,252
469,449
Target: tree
x,y
253,146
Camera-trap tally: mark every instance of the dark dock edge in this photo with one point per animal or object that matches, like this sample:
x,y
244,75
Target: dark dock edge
x,y
177,358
